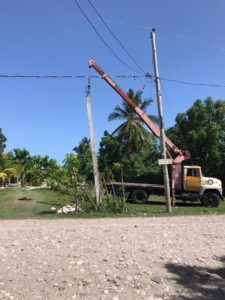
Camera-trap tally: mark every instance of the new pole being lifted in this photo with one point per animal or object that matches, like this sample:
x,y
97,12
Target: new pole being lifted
x,y
161,125
93,148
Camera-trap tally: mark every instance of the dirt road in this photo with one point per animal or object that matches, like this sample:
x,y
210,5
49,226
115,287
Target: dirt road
x,y
141,258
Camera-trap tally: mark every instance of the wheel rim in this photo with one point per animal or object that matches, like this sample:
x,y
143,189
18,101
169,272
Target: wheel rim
x,y
212,200
140,196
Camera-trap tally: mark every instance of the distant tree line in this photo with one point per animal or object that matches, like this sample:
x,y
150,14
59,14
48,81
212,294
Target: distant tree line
x,y
130,148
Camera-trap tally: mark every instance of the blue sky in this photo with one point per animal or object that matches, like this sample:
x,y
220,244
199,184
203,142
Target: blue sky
x,y
53,38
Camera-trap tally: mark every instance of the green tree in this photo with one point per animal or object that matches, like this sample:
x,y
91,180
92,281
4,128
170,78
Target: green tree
x,y
40,168
7,160
3,140
71,164
2,148
24,163
131,133
137,167
51,167
109,153
201,129
58,178
83,152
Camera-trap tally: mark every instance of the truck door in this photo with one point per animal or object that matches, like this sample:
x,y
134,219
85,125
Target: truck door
x,y
193,180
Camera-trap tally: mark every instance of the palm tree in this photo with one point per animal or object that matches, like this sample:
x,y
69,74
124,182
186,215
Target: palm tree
x,y
131,132
23,160
71,165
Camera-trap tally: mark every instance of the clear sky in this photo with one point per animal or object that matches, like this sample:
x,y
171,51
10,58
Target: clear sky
x,y
48,116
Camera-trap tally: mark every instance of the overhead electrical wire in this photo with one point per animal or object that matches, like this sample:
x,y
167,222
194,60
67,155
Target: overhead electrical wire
x,y
67,76
147,76
102,39
45,76
167,100
193,83
173,113
116,38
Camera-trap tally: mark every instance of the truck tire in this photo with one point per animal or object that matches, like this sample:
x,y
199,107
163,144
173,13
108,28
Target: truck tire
x,y
139,196
210,199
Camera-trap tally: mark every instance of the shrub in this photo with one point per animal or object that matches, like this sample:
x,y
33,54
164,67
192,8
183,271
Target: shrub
x,y
112,204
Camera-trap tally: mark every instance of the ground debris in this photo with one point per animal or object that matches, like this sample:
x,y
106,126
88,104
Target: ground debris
x,y
69,209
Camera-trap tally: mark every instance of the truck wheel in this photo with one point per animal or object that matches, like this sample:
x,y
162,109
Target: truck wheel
x,y
211,199
139,196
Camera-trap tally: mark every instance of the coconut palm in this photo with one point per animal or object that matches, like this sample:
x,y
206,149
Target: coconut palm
x,y
131,133
23,160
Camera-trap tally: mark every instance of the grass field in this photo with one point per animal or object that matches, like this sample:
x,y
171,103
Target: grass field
x,y
23,204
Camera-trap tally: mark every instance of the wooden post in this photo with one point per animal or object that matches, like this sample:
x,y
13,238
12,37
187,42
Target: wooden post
x,y
173,193
161,125
93,148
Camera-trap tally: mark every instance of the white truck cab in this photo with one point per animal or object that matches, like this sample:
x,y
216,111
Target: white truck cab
x,y
208,189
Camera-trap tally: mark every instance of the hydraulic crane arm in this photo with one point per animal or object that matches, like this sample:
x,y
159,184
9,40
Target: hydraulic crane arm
x,y
181,155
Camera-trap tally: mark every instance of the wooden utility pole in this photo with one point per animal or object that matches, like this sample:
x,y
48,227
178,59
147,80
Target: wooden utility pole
x,y
93,148
161,125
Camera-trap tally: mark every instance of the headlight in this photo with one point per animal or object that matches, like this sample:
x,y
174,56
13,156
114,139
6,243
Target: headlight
x,y
210,181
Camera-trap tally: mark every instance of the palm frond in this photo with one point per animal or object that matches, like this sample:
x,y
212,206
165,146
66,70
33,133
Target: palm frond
x,y
118,114
114,116
121,111
117,131
138,97
145,104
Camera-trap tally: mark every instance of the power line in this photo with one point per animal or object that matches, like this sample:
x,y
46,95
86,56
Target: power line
x,y
135,76
44,76
193,83
173,114
67,76
116,38
168,100
102,39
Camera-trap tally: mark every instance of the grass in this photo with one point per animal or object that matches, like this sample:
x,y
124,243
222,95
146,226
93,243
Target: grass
x,y
24,204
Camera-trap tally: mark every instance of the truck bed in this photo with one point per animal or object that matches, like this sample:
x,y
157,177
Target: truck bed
x,y
135,185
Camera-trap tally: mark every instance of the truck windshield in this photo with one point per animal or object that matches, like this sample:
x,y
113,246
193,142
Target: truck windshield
x,y
193,172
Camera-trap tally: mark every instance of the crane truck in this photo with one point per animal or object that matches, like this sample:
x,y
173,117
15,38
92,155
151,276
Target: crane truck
x,y
187,182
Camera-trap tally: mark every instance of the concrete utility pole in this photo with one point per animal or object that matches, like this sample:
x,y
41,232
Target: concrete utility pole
x,y
93,148
161,125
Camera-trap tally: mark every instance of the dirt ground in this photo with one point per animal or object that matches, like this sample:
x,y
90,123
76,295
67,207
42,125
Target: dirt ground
x,y
133,258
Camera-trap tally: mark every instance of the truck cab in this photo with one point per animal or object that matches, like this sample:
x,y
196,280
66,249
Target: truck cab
x,y
208,190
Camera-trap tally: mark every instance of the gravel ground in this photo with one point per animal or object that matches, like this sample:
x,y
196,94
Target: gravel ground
x,y
131,258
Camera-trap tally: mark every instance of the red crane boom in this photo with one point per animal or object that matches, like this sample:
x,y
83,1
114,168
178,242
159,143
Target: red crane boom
x,y
180,154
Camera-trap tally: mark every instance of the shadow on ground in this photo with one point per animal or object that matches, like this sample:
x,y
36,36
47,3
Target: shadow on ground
x,y
203,283
25,199
46,212
178,204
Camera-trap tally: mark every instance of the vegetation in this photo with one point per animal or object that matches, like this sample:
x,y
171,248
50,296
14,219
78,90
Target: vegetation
x,y
24,204
201,129
2,142
83,152
139,166
131,134
130,153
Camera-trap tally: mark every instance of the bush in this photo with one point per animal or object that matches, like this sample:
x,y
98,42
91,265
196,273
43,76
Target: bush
x,y
112,204
85,201
84,198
